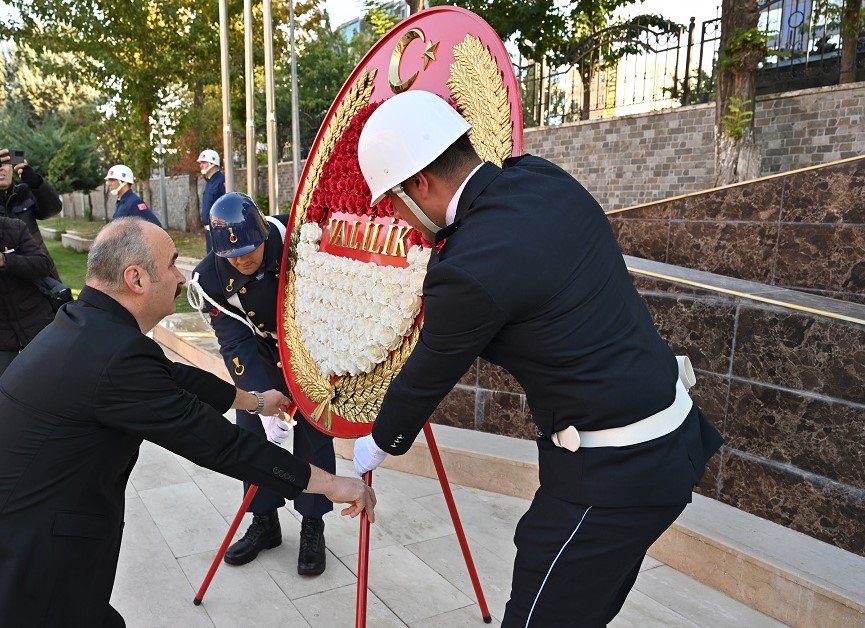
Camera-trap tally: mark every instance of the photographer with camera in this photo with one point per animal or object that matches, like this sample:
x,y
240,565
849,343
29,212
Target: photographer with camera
x,y
31,200
23,309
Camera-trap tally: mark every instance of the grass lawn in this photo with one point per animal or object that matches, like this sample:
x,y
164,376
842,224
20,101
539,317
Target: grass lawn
x,y
188,244
73,265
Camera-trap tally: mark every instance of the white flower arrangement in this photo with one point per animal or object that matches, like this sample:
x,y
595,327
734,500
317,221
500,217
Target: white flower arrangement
x,y
352,314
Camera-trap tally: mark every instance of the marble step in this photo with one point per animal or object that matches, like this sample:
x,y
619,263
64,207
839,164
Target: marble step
x,y
787,575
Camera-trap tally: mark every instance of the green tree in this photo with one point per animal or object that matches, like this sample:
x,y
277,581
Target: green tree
x,y
852,23
325,61
31,80
741,48
57,146
584,34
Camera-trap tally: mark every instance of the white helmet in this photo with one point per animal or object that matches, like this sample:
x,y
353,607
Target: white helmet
x,y
121,173
208,156
405,135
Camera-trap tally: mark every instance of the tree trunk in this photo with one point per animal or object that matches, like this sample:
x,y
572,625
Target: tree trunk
x,y
147,194
197,139
737,157
415,5
193,206
849,37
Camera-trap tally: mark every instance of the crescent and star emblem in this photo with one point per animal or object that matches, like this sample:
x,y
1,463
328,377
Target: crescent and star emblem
x,y
397,85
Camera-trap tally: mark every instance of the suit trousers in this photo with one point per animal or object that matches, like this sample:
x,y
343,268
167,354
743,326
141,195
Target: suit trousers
x,y
310,445
576,564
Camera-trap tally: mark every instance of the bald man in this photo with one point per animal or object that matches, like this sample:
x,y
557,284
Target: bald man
x,y
75,406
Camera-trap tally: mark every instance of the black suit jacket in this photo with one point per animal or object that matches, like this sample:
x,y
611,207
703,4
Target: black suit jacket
x,y
530,277
74,407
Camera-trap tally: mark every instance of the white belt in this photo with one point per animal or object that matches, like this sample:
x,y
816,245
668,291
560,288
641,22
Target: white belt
x,y
659,424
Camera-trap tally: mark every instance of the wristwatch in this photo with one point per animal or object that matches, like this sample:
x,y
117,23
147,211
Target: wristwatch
x,y
260,407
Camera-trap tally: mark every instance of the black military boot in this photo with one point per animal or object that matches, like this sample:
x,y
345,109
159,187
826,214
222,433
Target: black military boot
x,y
311,558
263,533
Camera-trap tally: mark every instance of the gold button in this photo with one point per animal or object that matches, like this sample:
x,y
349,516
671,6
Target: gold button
x,y
279,365
261,325
243,291
250,313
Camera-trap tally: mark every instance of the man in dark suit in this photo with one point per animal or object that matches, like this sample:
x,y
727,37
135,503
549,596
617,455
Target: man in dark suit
x,y
75,406
528,275
24,310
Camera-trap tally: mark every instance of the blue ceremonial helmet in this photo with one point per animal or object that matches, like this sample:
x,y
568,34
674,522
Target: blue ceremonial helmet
x,y
237,226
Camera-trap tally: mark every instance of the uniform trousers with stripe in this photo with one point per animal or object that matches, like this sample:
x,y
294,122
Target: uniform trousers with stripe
x,y
576,564
310,445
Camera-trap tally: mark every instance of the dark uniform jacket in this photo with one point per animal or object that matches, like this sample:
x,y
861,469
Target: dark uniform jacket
x,y
130,204
252,360
530,278
213,189
75,406
24,310
31,204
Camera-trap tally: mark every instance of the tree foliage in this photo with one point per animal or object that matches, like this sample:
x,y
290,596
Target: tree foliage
x,y
584,34
139,53
51,119
58,146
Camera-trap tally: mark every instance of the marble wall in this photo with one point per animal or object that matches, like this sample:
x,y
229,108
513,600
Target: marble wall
x,y
784,388
803,230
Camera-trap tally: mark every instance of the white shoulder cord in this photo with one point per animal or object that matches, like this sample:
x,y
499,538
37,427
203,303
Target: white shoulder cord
x,y
196,296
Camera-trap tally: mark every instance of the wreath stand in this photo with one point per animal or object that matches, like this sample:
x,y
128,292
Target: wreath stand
x,y
363,551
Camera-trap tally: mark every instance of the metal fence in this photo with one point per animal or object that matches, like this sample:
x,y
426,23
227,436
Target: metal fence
x,y
671,68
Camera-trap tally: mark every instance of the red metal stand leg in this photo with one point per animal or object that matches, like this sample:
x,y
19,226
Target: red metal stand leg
x,y
250,493
455,517
363,564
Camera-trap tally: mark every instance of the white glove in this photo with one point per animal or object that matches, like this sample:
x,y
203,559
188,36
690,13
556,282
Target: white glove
x,y
367,455
276,429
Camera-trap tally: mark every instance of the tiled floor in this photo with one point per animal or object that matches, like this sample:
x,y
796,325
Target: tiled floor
x,y
177,514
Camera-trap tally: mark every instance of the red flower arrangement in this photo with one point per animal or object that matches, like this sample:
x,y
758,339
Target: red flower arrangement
x,y
342,188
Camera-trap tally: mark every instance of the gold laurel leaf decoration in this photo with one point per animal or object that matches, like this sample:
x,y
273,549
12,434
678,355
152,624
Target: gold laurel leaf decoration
x,y
477,86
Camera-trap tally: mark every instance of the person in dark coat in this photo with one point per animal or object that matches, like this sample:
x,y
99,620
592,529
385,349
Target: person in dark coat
x,y
24,310
31,200
238,287
214,188
526,273
119,181
75,406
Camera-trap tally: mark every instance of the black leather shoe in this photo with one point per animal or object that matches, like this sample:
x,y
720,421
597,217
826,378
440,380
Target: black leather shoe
x,y
311,558
263,533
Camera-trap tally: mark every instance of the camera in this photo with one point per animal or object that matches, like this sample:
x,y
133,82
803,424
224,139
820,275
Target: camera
x,y
16,156
57,293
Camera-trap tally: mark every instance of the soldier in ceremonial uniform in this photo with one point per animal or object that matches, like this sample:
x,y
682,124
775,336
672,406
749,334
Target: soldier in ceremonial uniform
x,y
208,163
526,273
119,181
237,285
